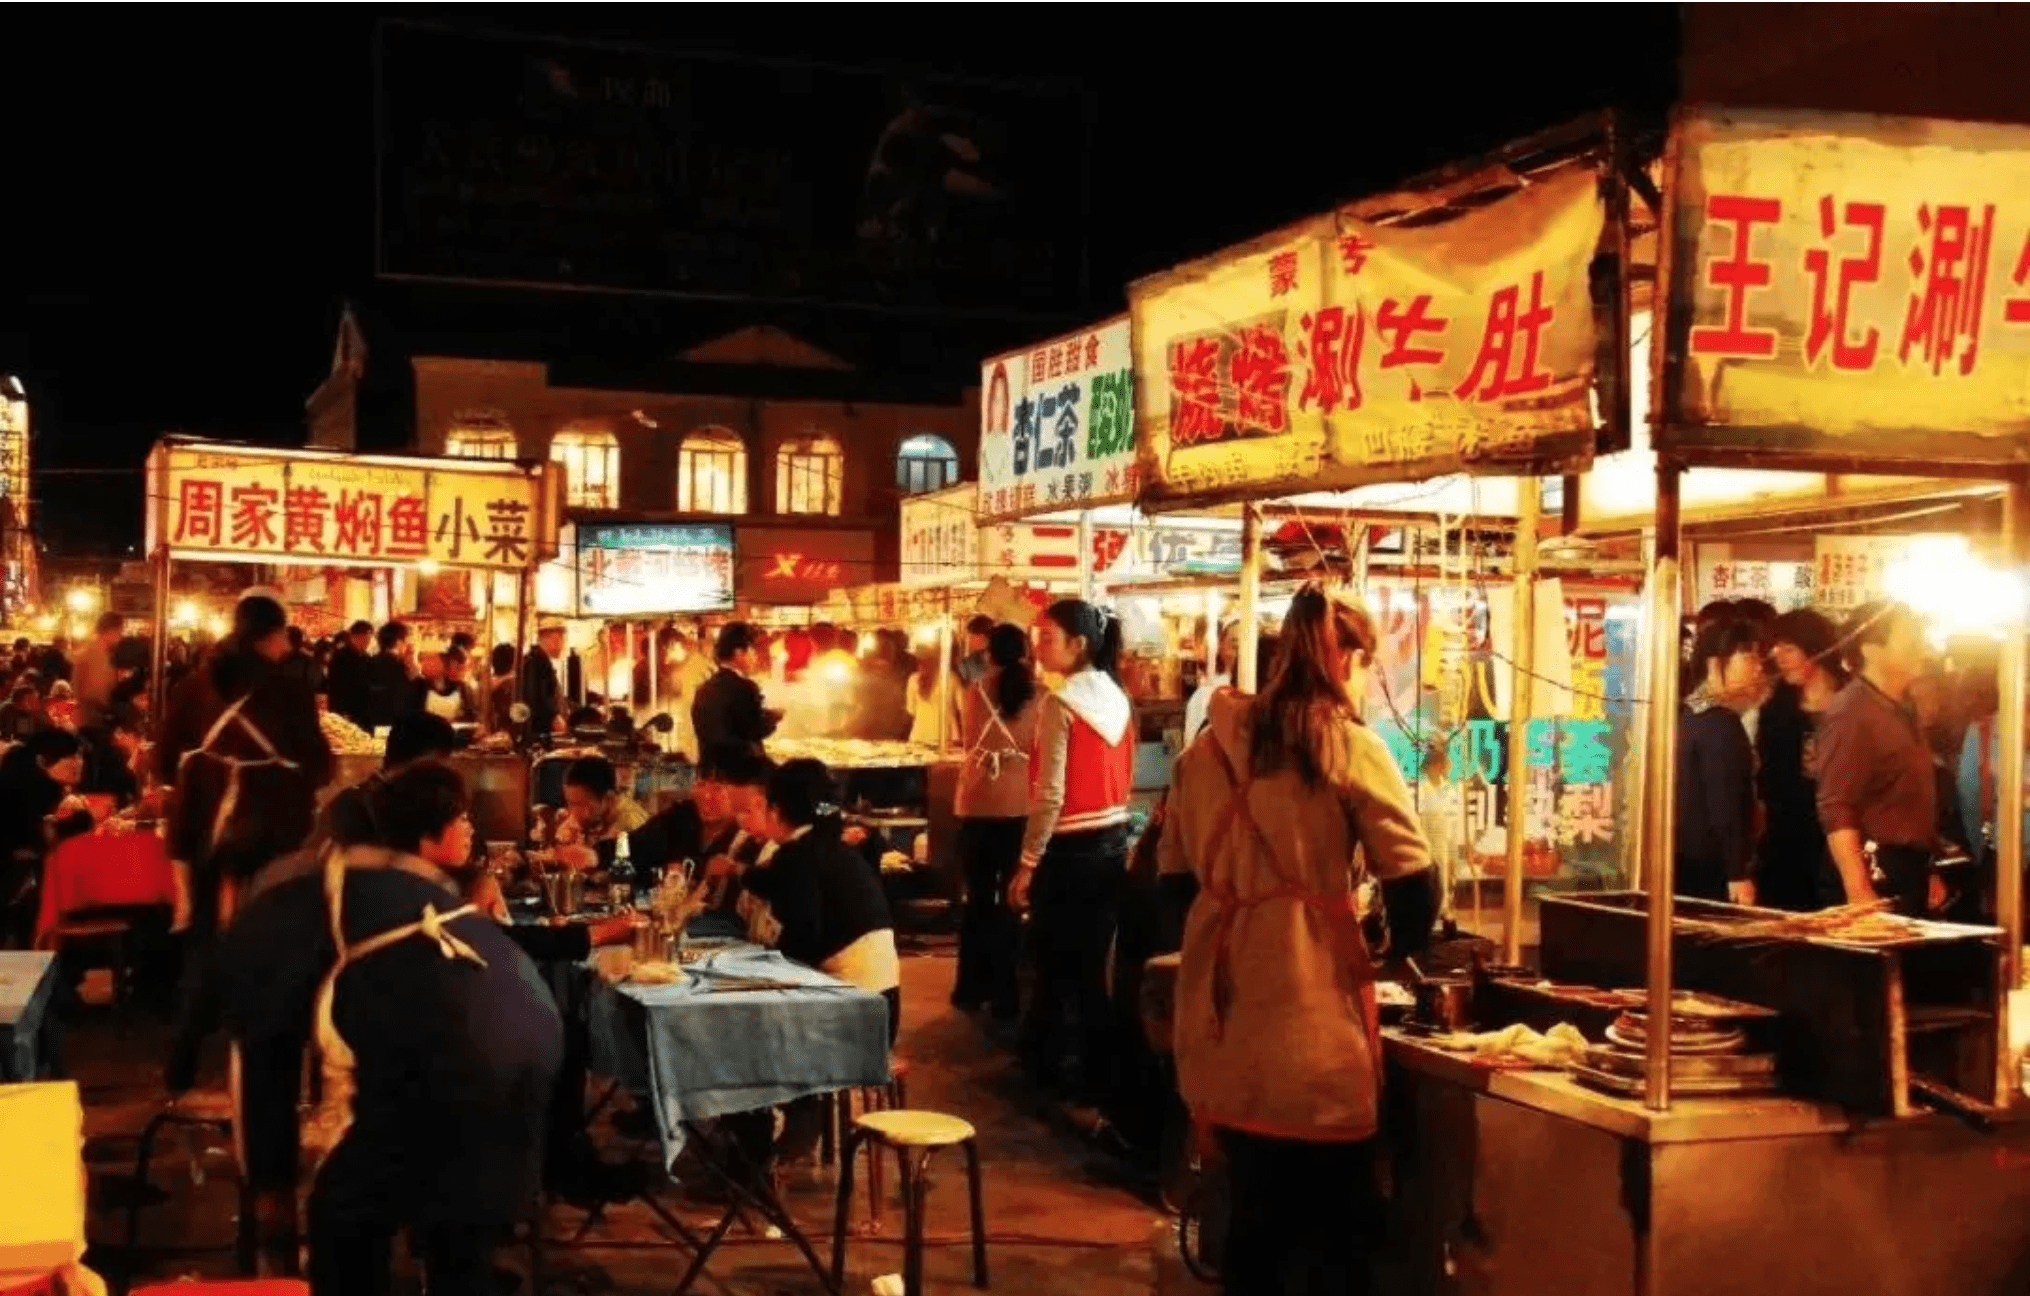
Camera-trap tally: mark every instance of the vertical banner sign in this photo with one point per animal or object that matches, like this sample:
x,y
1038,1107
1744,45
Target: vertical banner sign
x,y
939,540
1340,352
1434,699
1057,425
1848,291
1854,569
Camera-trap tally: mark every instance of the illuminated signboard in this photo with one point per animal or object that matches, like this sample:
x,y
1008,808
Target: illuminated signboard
x,y
789,565
654,569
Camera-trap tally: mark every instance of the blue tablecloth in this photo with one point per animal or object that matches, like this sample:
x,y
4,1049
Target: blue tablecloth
x,y
27,983
699,1053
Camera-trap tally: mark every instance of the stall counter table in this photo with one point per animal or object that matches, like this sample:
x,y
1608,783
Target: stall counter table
x,y
27,983
1527,1183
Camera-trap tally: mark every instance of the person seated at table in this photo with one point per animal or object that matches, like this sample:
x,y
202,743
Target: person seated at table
x,y
440,1042
596,810
115,760
704,828
23,715
817,900
39,807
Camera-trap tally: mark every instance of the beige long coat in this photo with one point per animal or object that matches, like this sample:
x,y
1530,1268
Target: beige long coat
x,y
1275,1029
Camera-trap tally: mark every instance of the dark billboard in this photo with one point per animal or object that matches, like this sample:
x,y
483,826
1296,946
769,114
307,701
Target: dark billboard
x,y
543,162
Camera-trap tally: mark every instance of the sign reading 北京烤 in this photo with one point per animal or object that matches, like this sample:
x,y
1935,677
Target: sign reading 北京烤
x,y
1847,291
235,505
1057,425
654,569
1341,352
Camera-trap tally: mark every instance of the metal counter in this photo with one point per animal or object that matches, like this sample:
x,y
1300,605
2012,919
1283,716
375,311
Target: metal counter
x,y
1525,1183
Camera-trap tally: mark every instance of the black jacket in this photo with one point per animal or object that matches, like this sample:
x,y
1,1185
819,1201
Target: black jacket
x,y
1716,802
823,894
345,684
729,719
542,693
389,690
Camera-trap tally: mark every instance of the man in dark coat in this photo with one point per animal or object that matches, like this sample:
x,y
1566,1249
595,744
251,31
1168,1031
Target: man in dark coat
x,y
727,714
542,688
345,683
390,681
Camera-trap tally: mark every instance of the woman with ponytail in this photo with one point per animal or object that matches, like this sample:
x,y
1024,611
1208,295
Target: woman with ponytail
x,y
997,724
1074,857
1281,809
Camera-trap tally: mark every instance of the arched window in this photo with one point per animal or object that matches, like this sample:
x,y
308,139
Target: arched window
x,y
926,463
591,462
487,440
712,472
810,476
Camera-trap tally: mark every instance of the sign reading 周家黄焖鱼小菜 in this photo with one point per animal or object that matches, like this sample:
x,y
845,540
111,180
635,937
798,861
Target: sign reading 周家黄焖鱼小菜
x,y
1847,291
249,505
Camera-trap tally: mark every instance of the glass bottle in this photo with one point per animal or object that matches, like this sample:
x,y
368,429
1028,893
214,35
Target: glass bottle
x,y
620,876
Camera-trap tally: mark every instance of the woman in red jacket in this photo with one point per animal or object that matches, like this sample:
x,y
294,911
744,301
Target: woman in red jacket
x,y
1075,847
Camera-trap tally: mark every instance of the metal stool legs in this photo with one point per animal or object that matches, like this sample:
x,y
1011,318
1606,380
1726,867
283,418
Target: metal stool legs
x,y
915,1166
244,1233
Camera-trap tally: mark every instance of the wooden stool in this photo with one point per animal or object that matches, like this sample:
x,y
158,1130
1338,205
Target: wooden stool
x,y
915,1136
840,1116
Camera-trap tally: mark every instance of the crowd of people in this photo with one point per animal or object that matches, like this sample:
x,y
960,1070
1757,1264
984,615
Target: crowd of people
x,y
1822,764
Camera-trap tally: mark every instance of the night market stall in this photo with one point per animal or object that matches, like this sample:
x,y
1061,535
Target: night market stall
x,y
1865,1057
220,502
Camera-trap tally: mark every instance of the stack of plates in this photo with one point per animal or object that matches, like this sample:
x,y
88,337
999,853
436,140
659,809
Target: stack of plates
x,y
1689,1035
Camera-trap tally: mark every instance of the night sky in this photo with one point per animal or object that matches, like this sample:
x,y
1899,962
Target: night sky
x,y
190,191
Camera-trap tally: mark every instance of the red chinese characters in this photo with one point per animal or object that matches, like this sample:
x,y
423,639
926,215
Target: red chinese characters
x,y
200,513
1261,379
254,516
408,527
1092,351
356,523
304,510
1353,250
1282,273
1332,346
1832,295
1194,391
1499,369
1401,328
1951,271
1737,273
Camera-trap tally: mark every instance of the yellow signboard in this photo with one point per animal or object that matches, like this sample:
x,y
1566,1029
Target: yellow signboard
x,y
234,504
1341,352
1847,291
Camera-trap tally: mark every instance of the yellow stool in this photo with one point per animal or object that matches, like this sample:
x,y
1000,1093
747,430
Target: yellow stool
x,y
914,1137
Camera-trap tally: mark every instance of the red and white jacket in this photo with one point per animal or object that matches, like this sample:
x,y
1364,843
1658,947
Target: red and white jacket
x,y
1083,766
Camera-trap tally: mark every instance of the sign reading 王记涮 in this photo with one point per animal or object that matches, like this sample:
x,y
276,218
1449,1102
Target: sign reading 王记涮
x,y
1057,425
1341,352
1847,291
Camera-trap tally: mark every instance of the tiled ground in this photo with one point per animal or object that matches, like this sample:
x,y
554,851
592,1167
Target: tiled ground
x,y
1063,1217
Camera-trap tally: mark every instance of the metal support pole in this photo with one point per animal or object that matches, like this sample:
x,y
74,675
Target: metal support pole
x,y
1085,556
158,651
1659,866
943,701
1522,668
1250,610
1211,633
2009,783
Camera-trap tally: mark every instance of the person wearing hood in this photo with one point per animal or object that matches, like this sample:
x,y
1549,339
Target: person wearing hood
x,y
1074,858
1281,810
242,747
1716,809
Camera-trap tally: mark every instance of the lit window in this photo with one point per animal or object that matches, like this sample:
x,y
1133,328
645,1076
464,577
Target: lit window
x,y
591,462
481,443
712,472
926,463
810,474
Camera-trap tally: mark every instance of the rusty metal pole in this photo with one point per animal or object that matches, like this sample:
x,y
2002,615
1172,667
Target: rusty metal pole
x,y
1659,865
2009,784
1249,612
1521,700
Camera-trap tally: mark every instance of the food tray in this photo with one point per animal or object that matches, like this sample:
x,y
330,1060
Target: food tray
x,y
1682,1086
1620,1061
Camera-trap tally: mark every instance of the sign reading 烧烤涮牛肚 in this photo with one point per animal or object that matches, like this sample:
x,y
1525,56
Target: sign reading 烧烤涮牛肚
x,y
1849,291
653,569
1343,351
1057,425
